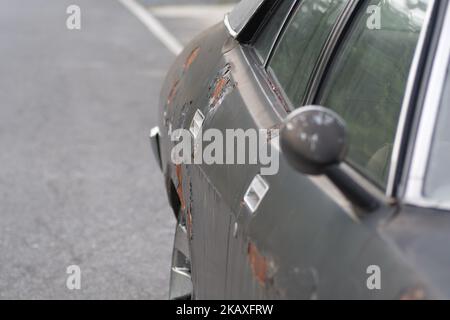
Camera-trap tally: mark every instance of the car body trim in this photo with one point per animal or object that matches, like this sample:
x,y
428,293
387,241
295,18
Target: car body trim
x,y
233,33
197,123
252,5
416,178
155,136
256,193
408,103
196,128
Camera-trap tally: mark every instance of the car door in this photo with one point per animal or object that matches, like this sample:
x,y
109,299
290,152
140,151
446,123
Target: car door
x,y
233,101
304,238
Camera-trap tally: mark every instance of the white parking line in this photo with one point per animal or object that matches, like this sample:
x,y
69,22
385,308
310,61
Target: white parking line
x,y
154,26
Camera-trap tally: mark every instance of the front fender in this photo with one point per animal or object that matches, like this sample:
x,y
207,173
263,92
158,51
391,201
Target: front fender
x,y
186,83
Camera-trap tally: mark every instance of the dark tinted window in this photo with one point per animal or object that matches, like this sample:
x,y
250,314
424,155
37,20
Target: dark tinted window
x,y
301,44
268,35
366,83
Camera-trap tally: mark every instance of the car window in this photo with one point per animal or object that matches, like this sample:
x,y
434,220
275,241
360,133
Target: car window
x,y
270,31
300,46
437,184
367,80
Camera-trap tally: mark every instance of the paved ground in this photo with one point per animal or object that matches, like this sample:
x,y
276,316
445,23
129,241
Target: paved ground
x,y
188,18
78,184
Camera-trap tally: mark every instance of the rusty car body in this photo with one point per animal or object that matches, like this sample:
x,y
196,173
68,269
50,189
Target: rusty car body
x,y
318,235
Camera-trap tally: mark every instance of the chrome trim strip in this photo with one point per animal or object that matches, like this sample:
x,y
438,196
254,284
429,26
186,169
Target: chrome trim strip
x,y
416,178
256,193
235,33
407,101
154,132
154,136
196,128
197,123
230,29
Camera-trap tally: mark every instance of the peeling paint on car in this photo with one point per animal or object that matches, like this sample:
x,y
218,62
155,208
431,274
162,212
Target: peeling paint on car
x,y
221,87
189,219
259,264
179,172
189,222
172,92
276,90
273,132
191,59
414,293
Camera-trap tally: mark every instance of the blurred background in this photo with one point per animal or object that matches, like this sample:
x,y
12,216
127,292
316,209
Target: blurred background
x,y
78,182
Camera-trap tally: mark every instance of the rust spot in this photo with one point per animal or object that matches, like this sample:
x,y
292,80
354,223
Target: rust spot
x,y
258,264
179,171
221,87
191,58
279,95
273,132
173,92
189,214
414,293
189,222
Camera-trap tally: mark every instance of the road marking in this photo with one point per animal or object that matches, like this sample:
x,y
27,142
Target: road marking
x,y
154,26
190,11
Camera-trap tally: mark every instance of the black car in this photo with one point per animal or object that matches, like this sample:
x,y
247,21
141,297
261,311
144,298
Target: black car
x,y
355,97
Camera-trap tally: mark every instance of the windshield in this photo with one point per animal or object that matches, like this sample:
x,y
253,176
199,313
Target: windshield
x,y
437,184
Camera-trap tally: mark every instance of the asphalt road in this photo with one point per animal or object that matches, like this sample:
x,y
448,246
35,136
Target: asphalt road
x,y
78,183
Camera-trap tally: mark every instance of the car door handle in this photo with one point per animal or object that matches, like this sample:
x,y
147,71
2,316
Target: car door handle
x,y
256,193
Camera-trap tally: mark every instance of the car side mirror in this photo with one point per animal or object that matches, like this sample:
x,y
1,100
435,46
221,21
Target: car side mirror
x,y
314,141
314,138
